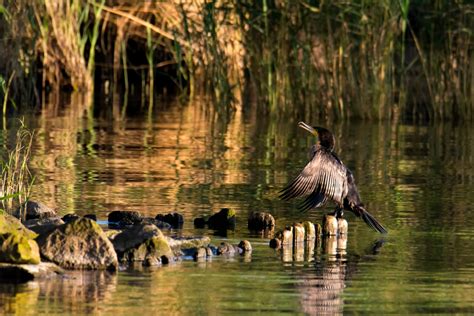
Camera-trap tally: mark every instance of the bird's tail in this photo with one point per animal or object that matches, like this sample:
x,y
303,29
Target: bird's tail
x,y
369,219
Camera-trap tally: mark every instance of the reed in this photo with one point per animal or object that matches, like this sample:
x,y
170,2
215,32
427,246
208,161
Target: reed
x,y
17,181
330,59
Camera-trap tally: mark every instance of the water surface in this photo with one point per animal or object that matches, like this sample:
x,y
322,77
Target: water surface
x,y
416,179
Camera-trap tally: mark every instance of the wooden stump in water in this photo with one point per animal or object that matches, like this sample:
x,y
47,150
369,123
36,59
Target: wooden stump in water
x,y
342,244
342,226
287,236
319,230
301,241
298,234
330,245
309,231
329,225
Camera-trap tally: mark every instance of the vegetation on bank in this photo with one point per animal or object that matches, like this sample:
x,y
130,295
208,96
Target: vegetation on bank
x,y
16,178
338,59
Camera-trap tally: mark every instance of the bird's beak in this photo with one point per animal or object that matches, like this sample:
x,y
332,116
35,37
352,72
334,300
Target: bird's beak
x,y
310,129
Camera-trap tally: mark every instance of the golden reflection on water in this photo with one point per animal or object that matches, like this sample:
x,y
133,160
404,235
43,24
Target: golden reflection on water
x,y
76,293
418,180
87,165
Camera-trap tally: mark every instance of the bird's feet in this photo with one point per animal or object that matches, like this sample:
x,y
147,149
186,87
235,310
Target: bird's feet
x,y
338,212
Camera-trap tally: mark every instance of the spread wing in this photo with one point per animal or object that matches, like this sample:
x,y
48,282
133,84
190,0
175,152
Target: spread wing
x,y
322,179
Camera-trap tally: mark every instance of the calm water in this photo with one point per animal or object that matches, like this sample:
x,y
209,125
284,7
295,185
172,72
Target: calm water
x,y
418,180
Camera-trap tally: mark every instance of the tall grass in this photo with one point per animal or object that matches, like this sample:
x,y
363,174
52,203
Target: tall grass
x,y
17,181
324,59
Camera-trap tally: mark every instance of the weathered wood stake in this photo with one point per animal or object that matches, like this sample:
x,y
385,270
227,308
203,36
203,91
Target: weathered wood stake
x,y
342,226
287,236
329,225
309,231
298,234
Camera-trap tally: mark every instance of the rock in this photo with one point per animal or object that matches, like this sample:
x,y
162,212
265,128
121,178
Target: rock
x,y
43,225
112,233
143,242
153,251
17,248
80,244
200,253
17,243
157,223
197,253
260,220
124,218
200,222
70,217
134,236
224,219
245,246
227,249
329,225
21,273
275,243
35,210
179,244
10,224
174,219
91,216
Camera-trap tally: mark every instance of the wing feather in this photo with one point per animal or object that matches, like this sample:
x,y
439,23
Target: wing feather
x,y
322,179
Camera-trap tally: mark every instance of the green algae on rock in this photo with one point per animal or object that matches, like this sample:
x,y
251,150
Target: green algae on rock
x,y
16,248
17,243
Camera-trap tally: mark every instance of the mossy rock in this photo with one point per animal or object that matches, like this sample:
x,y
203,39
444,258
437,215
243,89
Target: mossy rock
x,y
80,244
16,248
154,250
225,218
10,224
134,236
21,273
184,243
34,210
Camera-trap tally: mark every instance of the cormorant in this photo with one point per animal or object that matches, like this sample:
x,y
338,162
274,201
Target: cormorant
x,y
325,178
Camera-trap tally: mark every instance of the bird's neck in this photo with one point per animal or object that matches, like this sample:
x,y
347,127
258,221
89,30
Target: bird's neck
x,y
327,147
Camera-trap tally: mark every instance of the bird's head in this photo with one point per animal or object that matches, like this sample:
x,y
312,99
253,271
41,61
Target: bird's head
x,y
325,137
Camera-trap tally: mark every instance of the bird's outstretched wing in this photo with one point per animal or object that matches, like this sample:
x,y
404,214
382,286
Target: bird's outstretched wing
x,y
322,179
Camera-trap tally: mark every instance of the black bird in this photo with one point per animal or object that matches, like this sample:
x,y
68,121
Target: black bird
x,y
325,178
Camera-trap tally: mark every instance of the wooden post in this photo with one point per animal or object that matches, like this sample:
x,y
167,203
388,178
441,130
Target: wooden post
x,y
298,234
329,225
342,226
287,237
330,245
298,253
342,244
287,253
309,231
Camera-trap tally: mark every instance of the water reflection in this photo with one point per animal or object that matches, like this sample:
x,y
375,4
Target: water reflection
x,y
321,289
77,293
417,179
